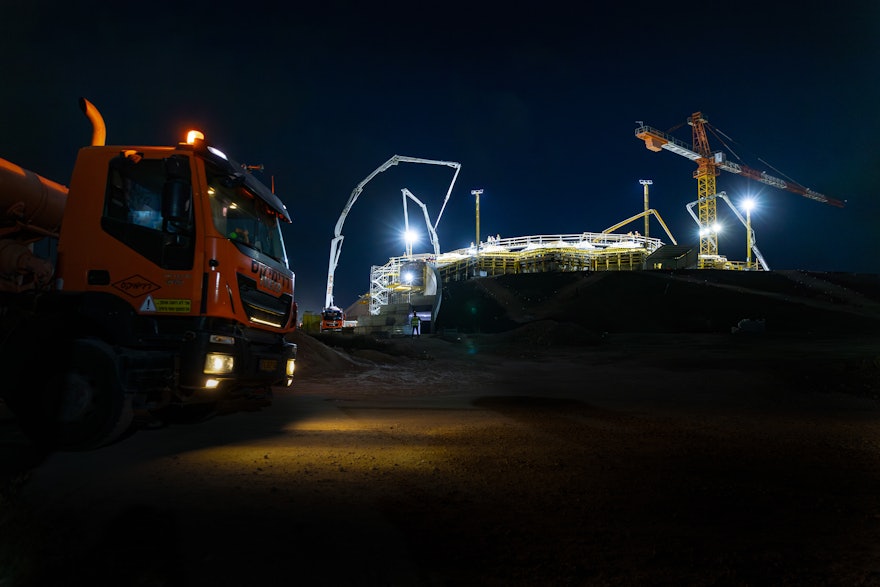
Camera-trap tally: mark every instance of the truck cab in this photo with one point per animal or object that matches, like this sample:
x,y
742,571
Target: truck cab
x,y
172,288
332,319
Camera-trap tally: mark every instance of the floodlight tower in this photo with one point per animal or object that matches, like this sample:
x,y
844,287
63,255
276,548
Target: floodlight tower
x,y
409,237
749,204
477,242
646,183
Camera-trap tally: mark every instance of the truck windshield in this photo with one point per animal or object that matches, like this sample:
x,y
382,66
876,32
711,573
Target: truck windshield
x,y
242,217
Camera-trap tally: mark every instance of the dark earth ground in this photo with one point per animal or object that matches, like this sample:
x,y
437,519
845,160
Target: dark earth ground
x,y
502,459
551,451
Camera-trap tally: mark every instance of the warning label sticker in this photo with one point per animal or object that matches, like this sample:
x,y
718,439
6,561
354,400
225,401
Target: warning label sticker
x,y
165,305
148,305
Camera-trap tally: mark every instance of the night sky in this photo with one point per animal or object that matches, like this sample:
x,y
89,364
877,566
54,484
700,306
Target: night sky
x,y
537,101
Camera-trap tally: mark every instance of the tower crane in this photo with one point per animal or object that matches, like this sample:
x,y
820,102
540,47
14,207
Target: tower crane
x,y
708,165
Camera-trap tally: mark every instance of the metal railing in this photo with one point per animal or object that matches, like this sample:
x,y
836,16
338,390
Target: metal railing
x,y
547,252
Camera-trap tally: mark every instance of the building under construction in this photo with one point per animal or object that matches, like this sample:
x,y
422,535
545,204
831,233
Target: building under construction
x,y
414,282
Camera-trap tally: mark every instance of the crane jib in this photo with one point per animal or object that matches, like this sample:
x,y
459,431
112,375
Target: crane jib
x,y
657,140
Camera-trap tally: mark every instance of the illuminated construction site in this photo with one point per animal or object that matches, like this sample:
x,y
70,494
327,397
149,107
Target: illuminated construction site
x,y
413,283
419,275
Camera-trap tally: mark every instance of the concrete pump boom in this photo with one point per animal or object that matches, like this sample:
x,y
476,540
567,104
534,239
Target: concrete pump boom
x,y
336,243
752,245
432,233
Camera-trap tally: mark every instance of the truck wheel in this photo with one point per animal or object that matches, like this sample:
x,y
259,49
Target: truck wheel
x,y
83,401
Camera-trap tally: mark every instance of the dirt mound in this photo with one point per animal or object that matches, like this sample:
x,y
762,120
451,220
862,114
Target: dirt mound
x,y
325,355
375,356
316,359
698,301
548,333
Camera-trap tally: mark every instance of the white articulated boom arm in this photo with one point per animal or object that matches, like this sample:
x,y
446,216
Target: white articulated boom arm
x,y
432,233
723,196
336,243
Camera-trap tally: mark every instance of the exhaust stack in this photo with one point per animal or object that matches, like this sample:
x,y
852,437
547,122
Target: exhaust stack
x,y
99,131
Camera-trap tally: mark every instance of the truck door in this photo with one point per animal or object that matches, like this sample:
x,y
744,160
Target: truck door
x,y
148,207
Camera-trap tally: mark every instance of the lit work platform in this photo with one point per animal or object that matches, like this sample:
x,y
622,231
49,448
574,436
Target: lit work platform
x,y
403,277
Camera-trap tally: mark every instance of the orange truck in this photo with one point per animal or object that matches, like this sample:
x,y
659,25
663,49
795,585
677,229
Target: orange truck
x,y
165,290
332,319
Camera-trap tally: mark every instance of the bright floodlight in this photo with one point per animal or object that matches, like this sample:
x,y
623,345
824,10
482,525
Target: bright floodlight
x,y
410,237
748,204
716,228
407,277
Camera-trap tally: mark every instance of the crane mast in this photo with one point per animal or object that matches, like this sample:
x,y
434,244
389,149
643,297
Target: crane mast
x,y
706,172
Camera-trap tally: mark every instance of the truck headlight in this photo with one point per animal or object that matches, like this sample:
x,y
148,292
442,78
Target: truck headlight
x,y
291,366
217,364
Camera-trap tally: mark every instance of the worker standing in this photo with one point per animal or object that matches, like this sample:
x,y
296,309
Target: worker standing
x,y
416,324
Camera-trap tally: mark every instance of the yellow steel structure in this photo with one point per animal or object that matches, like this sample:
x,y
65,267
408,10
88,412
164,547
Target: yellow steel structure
x,y
647,213
707,210
543,261
585,251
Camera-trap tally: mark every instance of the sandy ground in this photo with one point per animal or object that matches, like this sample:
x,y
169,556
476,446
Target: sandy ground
x,y
503,459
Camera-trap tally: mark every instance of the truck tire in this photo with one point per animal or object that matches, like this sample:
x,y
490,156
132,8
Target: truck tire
x,y
81,404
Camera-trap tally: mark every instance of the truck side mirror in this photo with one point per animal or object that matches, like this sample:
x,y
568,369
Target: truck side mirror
x,y
177,196
176,200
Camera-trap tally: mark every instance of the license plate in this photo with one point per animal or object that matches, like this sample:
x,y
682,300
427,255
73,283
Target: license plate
x,y
268,364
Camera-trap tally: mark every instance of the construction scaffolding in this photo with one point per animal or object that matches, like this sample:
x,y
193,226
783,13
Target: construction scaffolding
x,y
526,254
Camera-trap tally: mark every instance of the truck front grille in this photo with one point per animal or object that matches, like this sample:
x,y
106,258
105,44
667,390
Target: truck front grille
x,y
261,307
